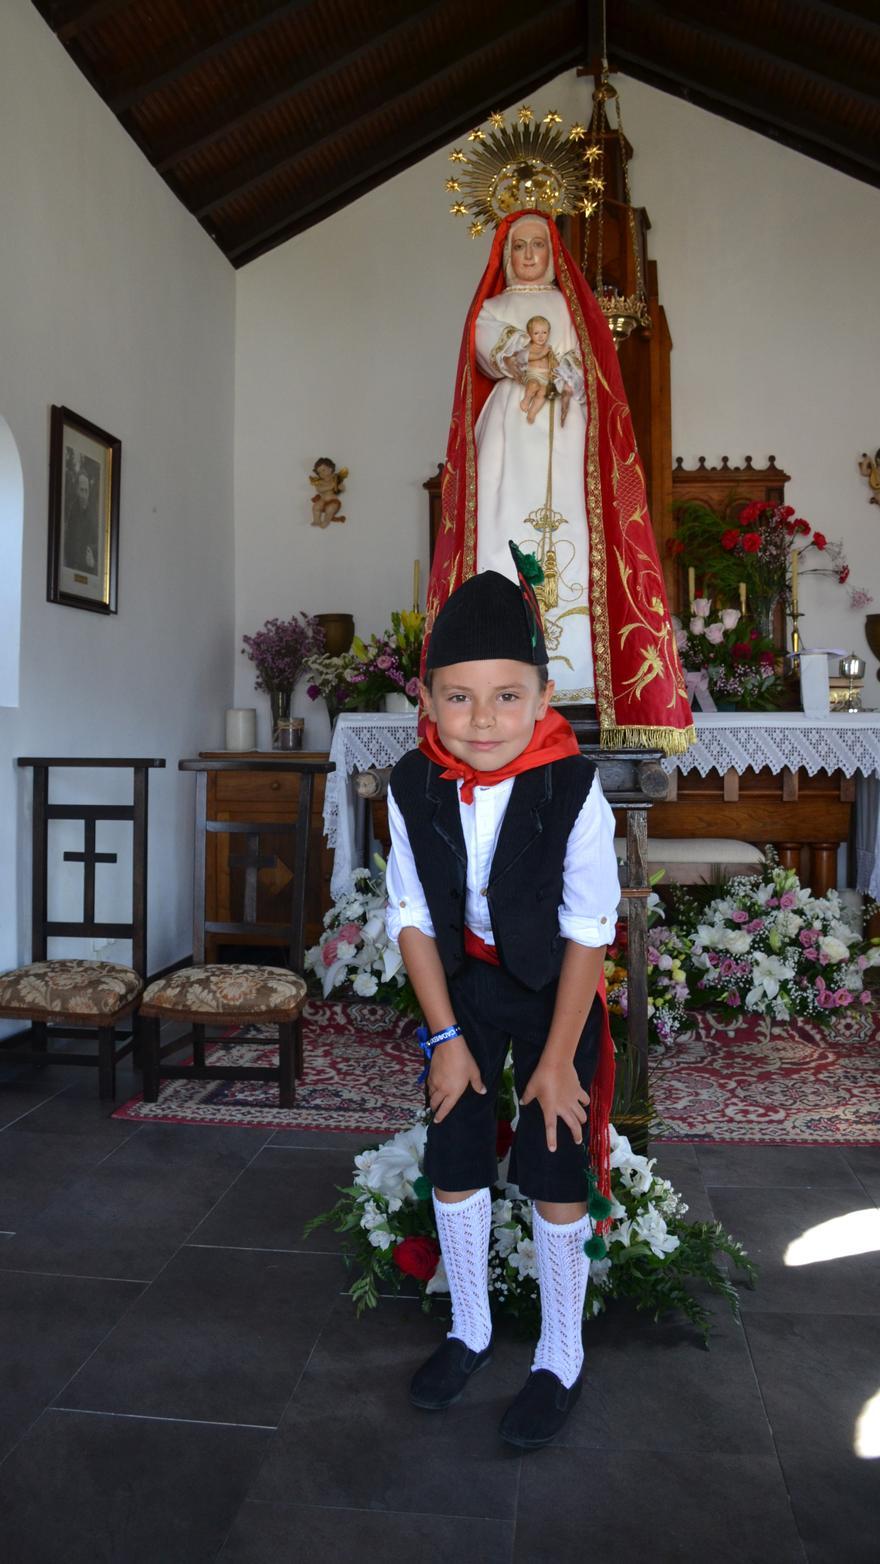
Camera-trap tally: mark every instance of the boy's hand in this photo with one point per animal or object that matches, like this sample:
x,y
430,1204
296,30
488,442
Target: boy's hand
x,y
453,1070
561,1096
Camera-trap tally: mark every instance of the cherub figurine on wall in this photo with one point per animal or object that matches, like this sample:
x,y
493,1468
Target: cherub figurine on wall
x,y
328,485
869,467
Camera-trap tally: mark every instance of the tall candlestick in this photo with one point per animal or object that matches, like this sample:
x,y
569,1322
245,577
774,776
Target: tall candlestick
x,y
417,566
742,598
692,587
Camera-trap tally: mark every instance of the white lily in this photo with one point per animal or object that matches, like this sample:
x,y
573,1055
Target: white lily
x,y
767,974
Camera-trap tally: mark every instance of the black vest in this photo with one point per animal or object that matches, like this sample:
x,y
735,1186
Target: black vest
x,y
525,880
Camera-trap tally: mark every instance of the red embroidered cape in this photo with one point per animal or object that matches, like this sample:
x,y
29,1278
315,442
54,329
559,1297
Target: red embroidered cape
x,y
640,691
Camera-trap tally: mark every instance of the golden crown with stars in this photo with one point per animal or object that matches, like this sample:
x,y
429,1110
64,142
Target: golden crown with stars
x,y
527,165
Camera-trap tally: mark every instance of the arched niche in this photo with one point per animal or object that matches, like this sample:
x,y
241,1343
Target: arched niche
x,y
11,533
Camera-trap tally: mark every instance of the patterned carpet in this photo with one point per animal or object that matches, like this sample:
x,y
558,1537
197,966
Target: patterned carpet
x,y
361,1069
751,1080
746,1080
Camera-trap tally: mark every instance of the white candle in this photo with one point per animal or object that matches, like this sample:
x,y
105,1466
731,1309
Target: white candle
x,y
241,728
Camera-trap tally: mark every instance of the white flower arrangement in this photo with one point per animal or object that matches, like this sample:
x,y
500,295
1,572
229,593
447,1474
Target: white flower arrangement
x,y
354,951
770,946
388,1214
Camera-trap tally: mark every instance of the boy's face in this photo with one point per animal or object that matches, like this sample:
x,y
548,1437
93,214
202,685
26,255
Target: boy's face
x,y
486,711
539,331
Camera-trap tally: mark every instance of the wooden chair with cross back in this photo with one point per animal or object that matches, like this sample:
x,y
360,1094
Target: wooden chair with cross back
x,y
77,999
234,994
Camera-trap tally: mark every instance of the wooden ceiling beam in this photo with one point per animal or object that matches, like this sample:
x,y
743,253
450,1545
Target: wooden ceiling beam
x,y
203,44
258,101
736,29
286,153
384,165
802,133
73,17
863,13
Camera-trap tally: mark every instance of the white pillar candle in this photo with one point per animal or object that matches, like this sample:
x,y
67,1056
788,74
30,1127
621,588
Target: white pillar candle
x,y
241,728
815,696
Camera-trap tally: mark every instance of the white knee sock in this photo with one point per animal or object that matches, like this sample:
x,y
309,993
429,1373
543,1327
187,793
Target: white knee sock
x,y
463,1230
563,1271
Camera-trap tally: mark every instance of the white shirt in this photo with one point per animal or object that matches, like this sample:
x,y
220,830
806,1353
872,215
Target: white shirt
x,y
590,885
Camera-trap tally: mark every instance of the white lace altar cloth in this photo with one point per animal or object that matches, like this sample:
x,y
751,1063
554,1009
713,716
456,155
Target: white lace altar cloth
x,y
361,739
847,742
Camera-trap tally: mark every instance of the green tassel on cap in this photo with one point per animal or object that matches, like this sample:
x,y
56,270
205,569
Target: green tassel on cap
x,y
528,565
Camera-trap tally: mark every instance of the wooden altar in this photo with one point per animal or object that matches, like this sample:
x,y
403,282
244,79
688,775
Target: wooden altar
x,y
806,819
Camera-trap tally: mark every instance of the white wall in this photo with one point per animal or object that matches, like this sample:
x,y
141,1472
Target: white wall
x,y
113,302
347,338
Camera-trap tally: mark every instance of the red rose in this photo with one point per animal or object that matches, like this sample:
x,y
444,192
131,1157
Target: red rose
x,y
785,511
750,513
802,526
791,528
751,542
417,1257
740,651
768,660
503,1138
729,539
843,575
820,539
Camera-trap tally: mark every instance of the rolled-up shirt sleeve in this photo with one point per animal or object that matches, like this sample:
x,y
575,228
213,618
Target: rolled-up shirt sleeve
x,y
406,907
590,882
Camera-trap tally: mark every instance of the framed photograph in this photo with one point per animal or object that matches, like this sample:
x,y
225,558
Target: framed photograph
x,y
84,466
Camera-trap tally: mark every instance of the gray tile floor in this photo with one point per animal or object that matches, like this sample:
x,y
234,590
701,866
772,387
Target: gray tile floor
x,y
182,1378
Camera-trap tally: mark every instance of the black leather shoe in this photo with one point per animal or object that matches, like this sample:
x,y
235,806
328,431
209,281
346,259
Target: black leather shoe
x,y
442,1379
539,1411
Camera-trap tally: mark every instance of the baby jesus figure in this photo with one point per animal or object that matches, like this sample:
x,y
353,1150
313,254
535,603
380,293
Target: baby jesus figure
x,y
539,371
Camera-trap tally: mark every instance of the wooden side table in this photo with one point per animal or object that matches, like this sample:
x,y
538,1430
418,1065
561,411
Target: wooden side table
x,y
241,794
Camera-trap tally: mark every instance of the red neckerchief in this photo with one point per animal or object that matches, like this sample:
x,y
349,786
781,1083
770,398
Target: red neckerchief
x,y
551,739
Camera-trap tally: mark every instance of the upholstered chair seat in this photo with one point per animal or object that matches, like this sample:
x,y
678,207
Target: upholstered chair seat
x,y
230,991
90,992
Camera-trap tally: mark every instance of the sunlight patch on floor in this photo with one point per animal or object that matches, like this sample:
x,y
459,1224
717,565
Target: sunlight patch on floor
x,y
866,1438
858,1232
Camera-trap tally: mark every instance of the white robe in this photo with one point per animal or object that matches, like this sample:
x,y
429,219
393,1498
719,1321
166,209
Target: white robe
x,y
512,463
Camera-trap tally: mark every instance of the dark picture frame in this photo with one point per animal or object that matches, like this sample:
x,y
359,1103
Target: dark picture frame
x,y
84,472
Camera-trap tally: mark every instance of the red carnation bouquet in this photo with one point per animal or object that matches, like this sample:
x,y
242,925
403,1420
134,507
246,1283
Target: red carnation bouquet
x,y
753,545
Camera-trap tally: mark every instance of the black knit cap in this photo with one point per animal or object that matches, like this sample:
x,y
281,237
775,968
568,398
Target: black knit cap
x,y
490,616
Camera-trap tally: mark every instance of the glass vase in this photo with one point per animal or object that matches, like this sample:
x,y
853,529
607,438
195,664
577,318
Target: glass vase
x,y
279,703
763,611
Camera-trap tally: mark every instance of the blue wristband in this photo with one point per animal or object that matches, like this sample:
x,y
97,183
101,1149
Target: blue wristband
x,y
429,1041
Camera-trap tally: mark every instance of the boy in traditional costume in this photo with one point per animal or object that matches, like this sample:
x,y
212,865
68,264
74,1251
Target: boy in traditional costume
x,y
503,889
